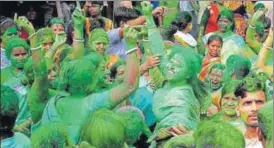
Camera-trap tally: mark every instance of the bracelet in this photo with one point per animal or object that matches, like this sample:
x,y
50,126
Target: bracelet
x,y
31,35
79,40
131,50
35,48
267,47
251,27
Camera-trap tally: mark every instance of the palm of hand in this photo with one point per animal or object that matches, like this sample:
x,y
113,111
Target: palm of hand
x,y
24,23
259,14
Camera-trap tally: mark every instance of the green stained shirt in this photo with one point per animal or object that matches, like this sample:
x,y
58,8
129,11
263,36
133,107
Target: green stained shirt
x,y
73,111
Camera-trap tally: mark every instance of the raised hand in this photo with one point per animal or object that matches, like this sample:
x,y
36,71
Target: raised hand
x,y
24,23
146,7
130,36
60,39
152,61
258,14
78,16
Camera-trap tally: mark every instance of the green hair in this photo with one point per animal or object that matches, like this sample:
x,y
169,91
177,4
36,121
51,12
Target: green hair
x,y
229,15
218,133
56,20
95,34
82,77
104,129
51,135
265,120
135,123
239,65
16,42
45,34
9,108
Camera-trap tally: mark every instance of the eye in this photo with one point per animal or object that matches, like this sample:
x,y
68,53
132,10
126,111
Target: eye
x,y
259,102
247,103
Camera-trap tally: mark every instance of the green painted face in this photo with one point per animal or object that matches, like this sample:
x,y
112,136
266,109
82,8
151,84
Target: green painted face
x,y
229,104
176,69
224,24
99,45
19,57
215,78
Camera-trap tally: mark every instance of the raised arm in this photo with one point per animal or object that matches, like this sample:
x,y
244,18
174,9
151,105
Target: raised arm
x,y
60,40
130,83
251,32
38,94
78,18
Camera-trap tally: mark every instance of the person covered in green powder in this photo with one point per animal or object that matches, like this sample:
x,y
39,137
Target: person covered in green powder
x,y
17,51
229,106
73,107
215,82
218,133
232,43
265,119
8,114
178,104
104,129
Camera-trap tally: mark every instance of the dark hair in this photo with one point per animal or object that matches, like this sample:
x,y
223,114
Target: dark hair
x,y
266,22
215,37
113,69
97,3
125,14
239,65
229,15
9,109
249,84
96,23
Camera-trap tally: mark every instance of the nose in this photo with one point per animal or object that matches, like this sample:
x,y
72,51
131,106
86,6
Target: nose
x,y
253,106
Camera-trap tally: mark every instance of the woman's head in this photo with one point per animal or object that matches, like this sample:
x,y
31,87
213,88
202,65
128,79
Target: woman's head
x,y
215,76
226,21
124,14
104,129
45,38
182,22
117,71
183,64
17,51
98,40
78,79
214,45
57,25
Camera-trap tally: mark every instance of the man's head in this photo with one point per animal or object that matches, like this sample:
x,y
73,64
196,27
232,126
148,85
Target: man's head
x,y
251,97
9,109
226,21
123,15
218,134
238,66
45,38
94,8
229,103
216,75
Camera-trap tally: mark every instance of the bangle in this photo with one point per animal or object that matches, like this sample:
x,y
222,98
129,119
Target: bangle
x,y
31,35
131,50
79,40
267,47
35,48
251,27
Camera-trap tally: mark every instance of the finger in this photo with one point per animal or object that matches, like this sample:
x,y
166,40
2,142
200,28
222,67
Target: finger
x,y
182,129
15,17
177,131
78,4
173,134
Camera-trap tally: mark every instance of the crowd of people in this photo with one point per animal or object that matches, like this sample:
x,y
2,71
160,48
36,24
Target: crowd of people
x,y
161,74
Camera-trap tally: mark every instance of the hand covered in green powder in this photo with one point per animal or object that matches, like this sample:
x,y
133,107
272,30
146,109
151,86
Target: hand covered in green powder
x,y
130,36
146,7
60,39
24,23
78,16
258,15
